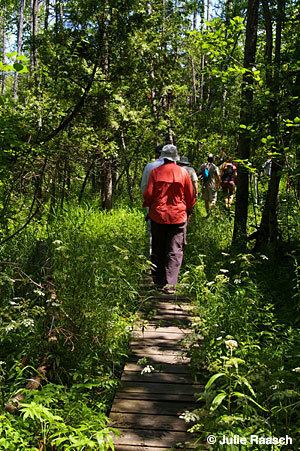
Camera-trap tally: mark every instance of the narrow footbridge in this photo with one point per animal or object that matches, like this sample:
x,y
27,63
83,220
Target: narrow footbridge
x,y
156,385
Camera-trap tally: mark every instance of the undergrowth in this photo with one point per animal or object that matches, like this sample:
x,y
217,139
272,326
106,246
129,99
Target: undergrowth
x,y
245,349
69,296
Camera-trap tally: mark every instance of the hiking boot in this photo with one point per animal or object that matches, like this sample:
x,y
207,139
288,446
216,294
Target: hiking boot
x,y
169,289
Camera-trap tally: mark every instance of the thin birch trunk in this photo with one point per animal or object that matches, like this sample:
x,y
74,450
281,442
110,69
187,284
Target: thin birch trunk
x,y
19,44
3,48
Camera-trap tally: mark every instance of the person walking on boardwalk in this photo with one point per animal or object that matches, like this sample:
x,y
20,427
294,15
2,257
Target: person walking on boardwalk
x,y
210,182
228,171
184,163
170,198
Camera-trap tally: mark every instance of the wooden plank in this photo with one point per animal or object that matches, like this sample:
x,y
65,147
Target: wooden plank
x,y
184,306
140,448
144,421
145,351
157,344
164,342
156,387
156,335
171,311
162,378
152,407
152,438
157,397
160,367
169,297
172,319
159,358
154,448
149,327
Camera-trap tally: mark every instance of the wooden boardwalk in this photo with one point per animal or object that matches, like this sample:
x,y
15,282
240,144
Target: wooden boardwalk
x,y
156,386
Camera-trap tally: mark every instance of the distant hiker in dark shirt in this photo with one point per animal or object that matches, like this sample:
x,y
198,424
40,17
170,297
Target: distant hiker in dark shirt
x,y
184,163
210,182
170,199
228,171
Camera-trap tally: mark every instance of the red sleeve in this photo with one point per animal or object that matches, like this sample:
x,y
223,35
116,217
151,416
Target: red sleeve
x,y
189,193
148,193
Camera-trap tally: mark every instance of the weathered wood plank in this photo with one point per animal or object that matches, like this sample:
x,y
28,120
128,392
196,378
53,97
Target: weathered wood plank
x,y
145,421
162,378
184,306
154,448
156,335
158,367
139,448
149,327
157,344
162,357
171,318
152,407
151,438
156,397
156,387
155,350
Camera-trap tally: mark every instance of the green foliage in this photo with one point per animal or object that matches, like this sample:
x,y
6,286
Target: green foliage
x,y
243,341
69,296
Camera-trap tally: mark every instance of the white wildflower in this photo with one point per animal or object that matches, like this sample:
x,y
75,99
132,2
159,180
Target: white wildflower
x,y
209,284
231,344
219,338
57,242
189,417
296,370
147,369
264,257
224,271
237,281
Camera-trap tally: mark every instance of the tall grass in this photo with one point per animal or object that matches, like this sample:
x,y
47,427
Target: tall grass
x,y
68,302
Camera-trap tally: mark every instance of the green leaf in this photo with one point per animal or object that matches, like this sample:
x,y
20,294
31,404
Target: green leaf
x,y
218,400
213,379
242,395
18,67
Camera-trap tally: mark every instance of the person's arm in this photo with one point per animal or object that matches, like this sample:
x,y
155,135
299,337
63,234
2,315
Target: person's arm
x,y
145,178
148,193
195,183
189,194
218,178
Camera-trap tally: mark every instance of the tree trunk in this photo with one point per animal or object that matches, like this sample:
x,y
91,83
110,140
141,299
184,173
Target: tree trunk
x,y
19,44
46,17
244,142
34,31
268,232
106,184
3,49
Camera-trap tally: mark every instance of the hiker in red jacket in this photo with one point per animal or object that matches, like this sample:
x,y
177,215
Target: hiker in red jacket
x,y
170,198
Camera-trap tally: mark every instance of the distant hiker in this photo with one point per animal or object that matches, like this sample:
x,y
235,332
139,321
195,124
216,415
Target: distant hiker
x,y
228,172
150,166
267,167
184,162
210,182
144,182
170,199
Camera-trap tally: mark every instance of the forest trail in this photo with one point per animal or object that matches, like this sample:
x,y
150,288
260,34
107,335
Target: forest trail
x,y
156,386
